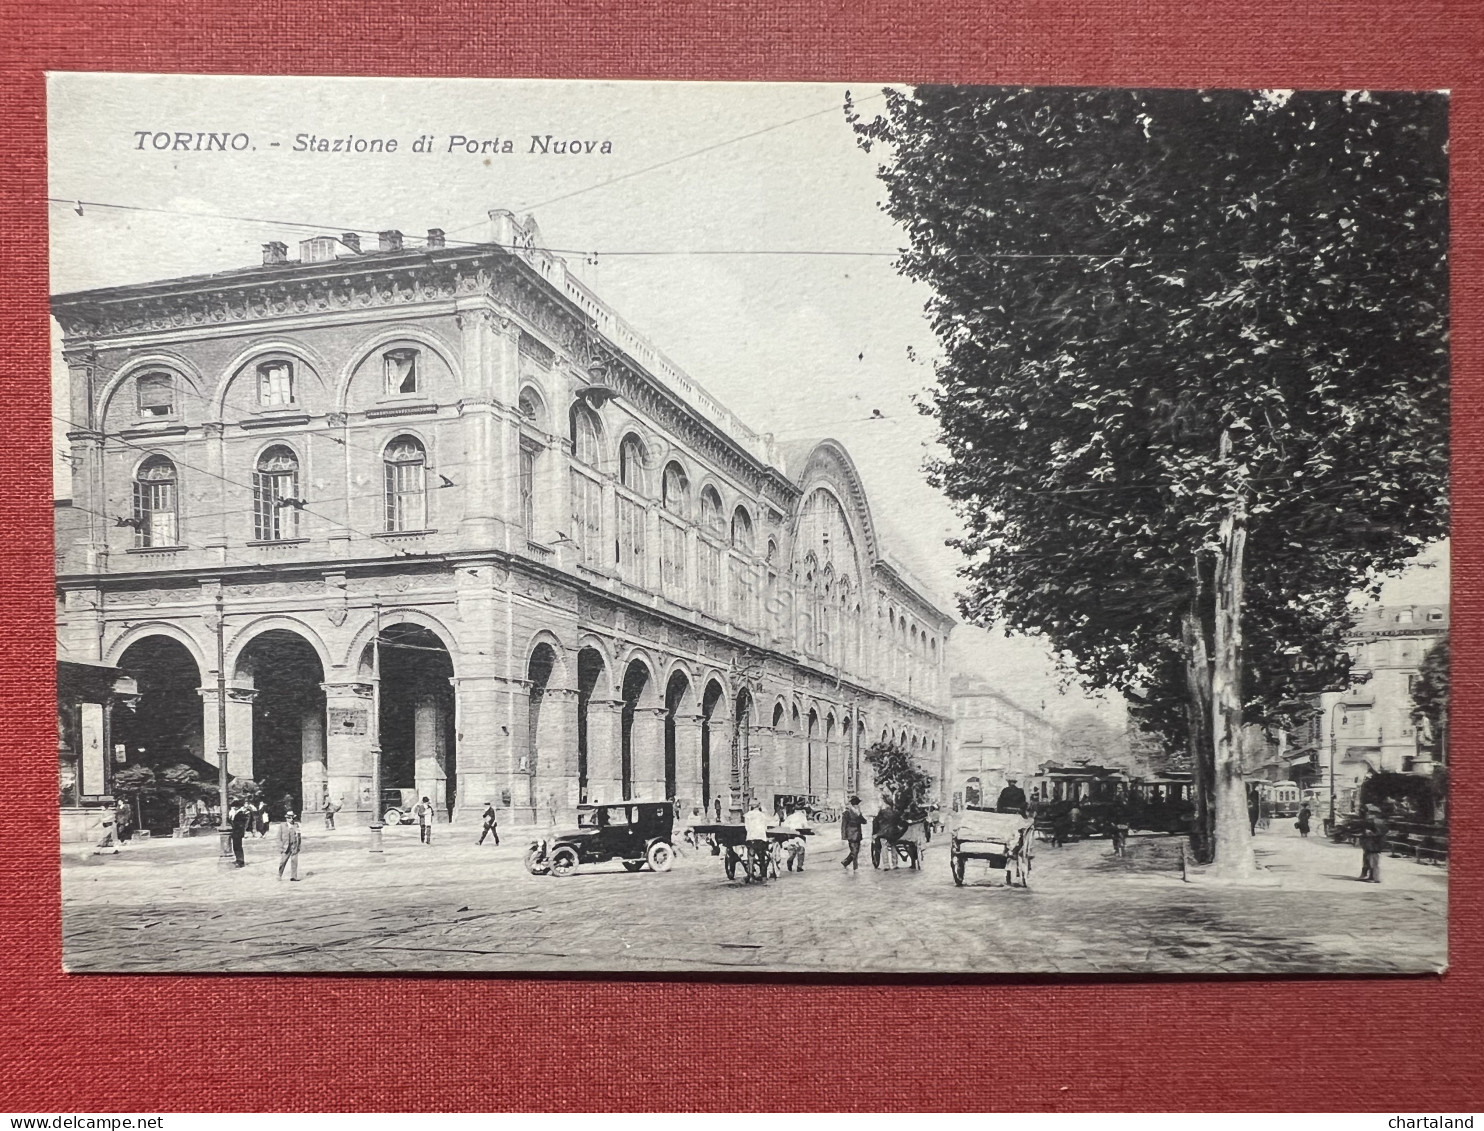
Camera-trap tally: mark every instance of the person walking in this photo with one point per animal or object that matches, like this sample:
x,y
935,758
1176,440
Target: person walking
x,y
108,846
1252,812
240,819
757,840
491,824
262,819
1303,820
852,823
1372,844
423,810
330,810
797,822
884,833
290,837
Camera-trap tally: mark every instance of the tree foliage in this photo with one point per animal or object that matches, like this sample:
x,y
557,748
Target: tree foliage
x,y
898,777
1430,691
1155,307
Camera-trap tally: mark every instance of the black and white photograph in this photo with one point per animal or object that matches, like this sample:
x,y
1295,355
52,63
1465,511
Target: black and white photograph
x,y
839,530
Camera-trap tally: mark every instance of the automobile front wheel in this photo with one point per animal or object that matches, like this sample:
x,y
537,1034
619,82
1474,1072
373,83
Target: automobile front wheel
x,y
661,856
534,862
564,861
392,817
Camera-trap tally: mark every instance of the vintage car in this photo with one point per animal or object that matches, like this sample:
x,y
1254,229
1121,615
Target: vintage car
x,y
634,832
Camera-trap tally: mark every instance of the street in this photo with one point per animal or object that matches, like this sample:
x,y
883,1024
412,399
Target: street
x,y
456,907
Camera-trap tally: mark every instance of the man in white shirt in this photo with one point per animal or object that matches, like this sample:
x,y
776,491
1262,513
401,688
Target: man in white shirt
x,y
757,837
794,845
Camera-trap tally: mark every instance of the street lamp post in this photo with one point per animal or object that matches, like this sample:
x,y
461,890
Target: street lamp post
x,y
1334,743
224,830
373,729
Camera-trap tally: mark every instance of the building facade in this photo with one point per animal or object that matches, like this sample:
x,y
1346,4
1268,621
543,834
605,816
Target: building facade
x,y
445,505
1368,727
994,739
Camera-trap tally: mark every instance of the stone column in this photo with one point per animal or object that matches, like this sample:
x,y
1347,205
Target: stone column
x,y
556,755
429,752
648,749
488,741
348,747
763,771
312,744
604,749
688,783
240,696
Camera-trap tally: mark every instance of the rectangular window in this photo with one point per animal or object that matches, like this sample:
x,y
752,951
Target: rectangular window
x,y
272,521
630,547
155,509
587,518
743,574
672,560
275,384
406,501
528,489
401,371
156,395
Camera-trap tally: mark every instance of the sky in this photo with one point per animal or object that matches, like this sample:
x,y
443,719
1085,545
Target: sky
x,y
705,225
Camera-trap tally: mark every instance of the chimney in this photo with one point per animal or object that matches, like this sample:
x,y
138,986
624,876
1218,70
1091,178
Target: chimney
x,y
275,252
435,237
319,249
502,227
390,240
351,240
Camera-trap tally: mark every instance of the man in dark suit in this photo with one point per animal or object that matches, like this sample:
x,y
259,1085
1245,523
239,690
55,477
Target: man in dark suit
x,y
852,822
240,821
1012,799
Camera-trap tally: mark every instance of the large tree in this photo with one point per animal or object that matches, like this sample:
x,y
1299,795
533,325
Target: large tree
x,y
1193,379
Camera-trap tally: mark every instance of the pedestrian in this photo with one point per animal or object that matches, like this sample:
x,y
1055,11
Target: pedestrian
x,y
1118,828
1372,844
491,824
108,846
289,839
261,819
241,818
331,808
1061,828
1303,820
884,833
718,809
852,822
1011,799
757,839
423,810
1252,811
797,822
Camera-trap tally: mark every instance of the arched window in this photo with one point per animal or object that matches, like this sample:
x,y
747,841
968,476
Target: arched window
x,y
711,513
533,420
631,460
585,435
674,498
155,519
275,495
401,369
742,540
406,463
275,384
629,545
708,555
675,490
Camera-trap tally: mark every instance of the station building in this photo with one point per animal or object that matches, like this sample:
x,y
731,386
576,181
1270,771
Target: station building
x,y
584,577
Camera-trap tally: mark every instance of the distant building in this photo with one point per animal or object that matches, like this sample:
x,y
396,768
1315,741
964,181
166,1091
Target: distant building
x,y
1368,727
994,739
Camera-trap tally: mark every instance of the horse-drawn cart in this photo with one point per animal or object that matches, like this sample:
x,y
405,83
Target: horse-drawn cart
x,y
1001,840
730,843
907,840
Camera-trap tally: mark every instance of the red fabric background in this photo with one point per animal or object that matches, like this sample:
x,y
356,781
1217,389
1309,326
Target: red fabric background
x,y
164,1043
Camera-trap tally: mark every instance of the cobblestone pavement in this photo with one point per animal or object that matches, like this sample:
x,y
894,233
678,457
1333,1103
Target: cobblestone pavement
x,y
453,906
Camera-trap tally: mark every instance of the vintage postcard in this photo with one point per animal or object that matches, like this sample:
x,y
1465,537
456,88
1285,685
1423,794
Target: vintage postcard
x,y
660,527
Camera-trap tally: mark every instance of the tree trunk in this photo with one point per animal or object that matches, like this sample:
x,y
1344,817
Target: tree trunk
x,y
1198,711
1232,832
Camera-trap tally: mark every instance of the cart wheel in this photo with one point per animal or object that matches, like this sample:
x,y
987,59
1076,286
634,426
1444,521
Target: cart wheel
x,y
534,864
661,856
730,864
392,817
957,863
633,865
564,861
875,853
